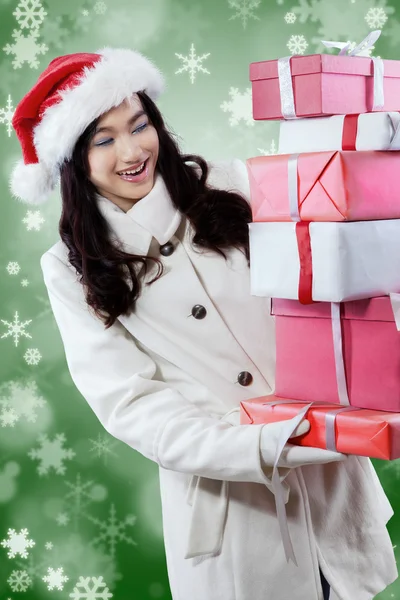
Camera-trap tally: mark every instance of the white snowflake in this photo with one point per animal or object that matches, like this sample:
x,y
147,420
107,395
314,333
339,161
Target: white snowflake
x,y
272,149
29,14
85,13
33,220
240,107
103,446
376,18
297,44
24,282
113,531
17,543
49,545
54,33
244,9
192,63
100,8
51,454
19,581
55,578
290,18
8,417
97,591
32,356
337,20
62,519
16,328
13,268
25,49
79,496
6,115
23,398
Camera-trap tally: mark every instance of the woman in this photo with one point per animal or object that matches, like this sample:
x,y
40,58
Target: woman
x,y
165,356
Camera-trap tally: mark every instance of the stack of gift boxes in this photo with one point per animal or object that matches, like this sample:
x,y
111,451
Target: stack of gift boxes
x,y
325,247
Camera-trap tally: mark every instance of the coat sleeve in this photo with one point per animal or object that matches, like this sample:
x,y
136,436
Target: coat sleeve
x,y
116,378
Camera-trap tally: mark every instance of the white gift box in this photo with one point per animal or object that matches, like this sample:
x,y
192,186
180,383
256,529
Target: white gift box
x,y
350,260
369,131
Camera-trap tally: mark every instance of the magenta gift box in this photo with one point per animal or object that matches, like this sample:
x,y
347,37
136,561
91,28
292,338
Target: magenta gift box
x,y
324,84
305,364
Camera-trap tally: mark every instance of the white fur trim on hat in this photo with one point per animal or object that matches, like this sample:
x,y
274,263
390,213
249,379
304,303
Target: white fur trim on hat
x,y
118,75
32,183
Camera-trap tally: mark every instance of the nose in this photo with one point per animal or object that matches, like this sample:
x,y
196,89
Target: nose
x,y
129,150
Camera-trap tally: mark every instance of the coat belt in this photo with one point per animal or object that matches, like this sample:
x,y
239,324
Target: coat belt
x,y
209,501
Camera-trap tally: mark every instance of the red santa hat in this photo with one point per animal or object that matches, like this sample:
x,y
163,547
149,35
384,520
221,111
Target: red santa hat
x,y
71,92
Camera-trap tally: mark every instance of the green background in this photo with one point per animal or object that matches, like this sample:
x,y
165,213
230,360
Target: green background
x,y
90,503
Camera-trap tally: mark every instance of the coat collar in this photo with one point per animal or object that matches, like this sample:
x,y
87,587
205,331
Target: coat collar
x,y
154,215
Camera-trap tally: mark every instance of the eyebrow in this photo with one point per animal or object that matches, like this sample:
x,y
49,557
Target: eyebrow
x,y
130,121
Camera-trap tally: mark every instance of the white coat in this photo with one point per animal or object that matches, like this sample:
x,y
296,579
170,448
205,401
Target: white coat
x,y
167,384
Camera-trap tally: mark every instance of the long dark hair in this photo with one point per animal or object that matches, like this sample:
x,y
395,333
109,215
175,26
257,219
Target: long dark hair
x,y
219,219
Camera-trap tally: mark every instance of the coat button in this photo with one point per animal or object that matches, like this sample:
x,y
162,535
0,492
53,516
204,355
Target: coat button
x,y
245,378
167,249
198,311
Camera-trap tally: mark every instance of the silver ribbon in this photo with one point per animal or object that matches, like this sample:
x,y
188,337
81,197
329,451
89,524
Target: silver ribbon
x,y
330,419
293,190
286,88
338,353
365,44
394,118
209,501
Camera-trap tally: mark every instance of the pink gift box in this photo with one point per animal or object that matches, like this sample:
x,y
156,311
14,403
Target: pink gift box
x,y
305,362
331,186
324,84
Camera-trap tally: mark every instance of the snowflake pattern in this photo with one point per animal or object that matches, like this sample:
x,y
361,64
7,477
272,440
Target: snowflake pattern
x,y
17,543
100,8
103,446
290,18
19,581
240,107
62,519
33,220
192,63
376,17
51,454
297,44
6,115
32,356
24,282
330,17
29,14
112,531
55,578
25,49
54,33
16,329
272,149
23,399
13,268
8,417
98,591
244,10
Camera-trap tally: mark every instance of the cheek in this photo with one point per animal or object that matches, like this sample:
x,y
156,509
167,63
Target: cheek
x,y
98,162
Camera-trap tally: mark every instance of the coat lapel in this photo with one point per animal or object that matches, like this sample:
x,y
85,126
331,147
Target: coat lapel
x,y
152,216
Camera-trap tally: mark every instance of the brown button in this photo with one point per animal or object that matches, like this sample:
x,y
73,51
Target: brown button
x,y
198,311
245,378
167,249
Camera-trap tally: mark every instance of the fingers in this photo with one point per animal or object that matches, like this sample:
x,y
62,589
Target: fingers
x,y
297,456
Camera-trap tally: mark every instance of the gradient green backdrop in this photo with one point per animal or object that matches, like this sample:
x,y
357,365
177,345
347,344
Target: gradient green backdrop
x,y
89,503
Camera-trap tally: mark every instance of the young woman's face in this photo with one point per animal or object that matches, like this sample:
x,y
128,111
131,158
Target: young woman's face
x,y
121,144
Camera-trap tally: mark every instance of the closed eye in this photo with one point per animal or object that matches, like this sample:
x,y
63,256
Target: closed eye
x,y
108,140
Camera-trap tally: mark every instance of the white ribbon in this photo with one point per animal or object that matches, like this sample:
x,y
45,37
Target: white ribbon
x,y
209,501
288,109
394,118
365,44
338,353
395,302
293,190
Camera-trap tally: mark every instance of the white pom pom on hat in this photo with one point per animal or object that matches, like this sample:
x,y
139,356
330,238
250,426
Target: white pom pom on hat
x,y
73,90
